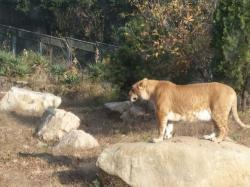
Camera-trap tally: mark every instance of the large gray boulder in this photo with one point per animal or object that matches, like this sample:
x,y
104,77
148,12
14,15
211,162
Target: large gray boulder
x,y
28,102
180,162
74,143
57,123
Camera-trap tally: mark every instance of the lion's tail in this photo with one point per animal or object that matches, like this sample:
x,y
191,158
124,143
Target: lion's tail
x,y
236,116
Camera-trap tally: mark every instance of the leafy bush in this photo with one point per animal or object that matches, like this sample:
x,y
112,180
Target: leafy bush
x,y
34,59
58,69
165,40
71,76
12,66
98,71
231,41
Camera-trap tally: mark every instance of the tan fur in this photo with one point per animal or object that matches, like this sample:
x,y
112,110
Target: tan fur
x,y
189,103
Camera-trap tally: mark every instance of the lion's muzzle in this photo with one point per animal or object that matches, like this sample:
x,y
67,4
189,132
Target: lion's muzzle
x,y
132,96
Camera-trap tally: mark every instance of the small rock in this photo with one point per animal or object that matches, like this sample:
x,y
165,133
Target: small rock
x,y
41,144
26,146
56,124
118,106
27,102
74,142
2,94
132,113
126,117
137,111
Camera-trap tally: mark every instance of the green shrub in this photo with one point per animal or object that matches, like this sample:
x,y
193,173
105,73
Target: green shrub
x,y
72,76
231,41
34,59
22,65
58,69
98,71
10,65
164,40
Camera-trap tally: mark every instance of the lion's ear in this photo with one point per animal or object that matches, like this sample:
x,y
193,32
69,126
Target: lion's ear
x,y
142,84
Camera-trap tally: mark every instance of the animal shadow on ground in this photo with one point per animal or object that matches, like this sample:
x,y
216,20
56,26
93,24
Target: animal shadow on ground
x,y
83,174
80,170
101,121
29,121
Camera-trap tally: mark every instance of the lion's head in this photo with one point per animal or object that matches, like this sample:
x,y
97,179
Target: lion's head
x,y
139,90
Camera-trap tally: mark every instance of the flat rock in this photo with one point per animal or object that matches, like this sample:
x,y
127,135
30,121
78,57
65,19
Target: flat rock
x,y
128,110
179,162
28,102
74,142
118,106
56,123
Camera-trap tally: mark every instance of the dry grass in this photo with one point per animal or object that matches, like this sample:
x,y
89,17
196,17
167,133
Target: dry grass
x,y
26,161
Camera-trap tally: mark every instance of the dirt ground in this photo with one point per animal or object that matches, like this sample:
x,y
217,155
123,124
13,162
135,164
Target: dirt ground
x,y
26,161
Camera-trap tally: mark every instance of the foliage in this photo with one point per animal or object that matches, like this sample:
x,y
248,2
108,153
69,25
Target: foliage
x,y
165,39
84,19
28,62
71,76
57,69
33,59
22,65
157,39
98,71
231,40
11,66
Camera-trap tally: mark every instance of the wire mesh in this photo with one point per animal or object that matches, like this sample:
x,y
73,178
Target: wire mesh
x,y
57,50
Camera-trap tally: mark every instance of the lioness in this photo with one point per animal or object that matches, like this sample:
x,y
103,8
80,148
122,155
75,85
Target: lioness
x,y
204,101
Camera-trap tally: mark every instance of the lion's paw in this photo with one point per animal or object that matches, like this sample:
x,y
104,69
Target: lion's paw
x,y
210,137
156,140
216,140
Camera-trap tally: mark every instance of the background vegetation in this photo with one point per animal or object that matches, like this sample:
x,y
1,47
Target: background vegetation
x,y
182,41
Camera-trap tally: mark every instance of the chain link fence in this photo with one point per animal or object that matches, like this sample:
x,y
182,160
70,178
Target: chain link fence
x,y
57,50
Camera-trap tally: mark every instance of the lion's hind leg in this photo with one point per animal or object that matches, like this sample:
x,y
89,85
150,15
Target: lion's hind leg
x,y
211,136
221,123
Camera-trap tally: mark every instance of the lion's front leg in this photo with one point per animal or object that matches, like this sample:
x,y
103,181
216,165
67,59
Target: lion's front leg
x,y
169,131
162,122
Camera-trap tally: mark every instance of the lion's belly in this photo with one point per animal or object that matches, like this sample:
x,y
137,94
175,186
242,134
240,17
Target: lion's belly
x,y
202,115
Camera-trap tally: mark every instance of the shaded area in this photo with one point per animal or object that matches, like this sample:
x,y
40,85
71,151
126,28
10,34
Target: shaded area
x,y
56,160
81,171
86,173
29,121
24,154
101,121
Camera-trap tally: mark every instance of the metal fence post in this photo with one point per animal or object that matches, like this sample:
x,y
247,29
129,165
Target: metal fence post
x,y
97,53
40,47
51,54
13,44
68,45
69,55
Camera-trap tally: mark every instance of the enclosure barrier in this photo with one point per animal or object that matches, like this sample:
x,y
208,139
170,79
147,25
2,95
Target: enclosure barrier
x,y
66,48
